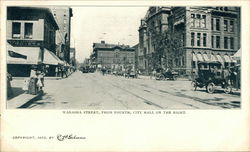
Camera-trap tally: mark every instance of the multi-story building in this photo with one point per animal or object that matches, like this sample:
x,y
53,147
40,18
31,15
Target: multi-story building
x,y
194,34
113,56
73,56
31,34
152,29
63,16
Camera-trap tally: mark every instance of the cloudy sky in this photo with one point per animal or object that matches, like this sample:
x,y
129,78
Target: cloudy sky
x,y
111,24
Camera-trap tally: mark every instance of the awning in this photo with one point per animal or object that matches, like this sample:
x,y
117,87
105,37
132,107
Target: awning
x,y
194,57
237,55
22,55
227,59
213,58
219,58
50,58
206,57
199,56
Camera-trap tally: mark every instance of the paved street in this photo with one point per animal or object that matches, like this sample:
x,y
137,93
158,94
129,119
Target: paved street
x,y
94,91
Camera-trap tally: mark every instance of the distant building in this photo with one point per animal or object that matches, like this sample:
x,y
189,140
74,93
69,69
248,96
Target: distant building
x,y
73,56
63,16
113,56
136,47
190,35
31,39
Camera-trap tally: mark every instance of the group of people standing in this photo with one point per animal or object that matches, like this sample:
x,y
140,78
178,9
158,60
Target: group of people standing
x,y
35,83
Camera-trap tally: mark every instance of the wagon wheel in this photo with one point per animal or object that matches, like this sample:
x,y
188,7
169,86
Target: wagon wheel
x,y
194,85
174,77
228,89
210,87
161,77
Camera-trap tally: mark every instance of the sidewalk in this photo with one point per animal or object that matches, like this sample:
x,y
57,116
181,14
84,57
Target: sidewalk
x,y
22,100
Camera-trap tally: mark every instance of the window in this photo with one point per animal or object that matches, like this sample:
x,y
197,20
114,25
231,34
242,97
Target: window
x,y
217,41
198,39
16,30
231,27
232,43
204,39
192,20
203,21
225,25
28,30
212,39
217,24
198,20
225,43
192,39
212,22
193,64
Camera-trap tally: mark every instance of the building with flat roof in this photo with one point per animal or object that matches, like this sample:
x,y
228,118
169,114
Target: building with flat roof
x,y
113,56
30,39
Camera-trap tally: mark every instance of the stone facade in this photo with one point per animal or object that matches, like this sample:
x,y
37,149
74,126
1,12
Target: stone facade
x,y
191,34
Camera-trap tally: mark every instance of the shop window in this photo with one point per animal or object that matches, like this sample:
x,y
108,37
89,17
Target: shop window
x,y
28,30
225,25
217,41
217,26
225,43
198,39
16,30
204,39
226,64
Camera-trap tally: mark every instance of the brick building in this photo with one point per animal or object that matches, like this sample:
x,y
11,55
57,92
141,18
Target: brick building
x,y
30,39
63,16
112,56
196,34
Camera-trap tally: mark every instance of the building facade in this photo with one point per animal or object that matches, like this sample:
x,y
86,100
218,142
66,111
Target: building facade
x,y
63,16
73,57
195,34
152,31
30,33
113,56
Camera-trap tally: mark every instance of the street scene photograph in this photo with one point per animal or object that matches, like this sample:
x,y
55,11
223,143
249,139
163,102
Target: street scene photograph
x,y
123,58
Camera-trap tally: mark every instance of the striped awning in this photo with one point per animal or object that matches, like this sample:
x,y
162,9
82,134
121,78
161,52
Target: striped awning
x,y
200,58
213,58
219,58
206,57
194,57
227,58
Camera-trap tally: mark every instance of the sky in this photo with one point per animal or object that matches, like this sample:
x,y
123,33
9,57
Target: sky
x,y
112,24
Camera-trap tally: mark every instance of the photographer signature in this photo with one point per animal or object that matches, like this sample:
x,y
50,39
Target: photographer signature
x,y
61,137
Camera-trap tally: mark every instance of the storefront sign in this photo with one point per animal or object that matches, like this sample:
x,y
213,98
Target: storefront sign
x,y
31,43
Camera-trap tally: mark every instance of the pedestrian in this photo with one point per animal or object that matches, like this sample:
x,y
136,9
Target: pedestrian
x,y
9,88
32,87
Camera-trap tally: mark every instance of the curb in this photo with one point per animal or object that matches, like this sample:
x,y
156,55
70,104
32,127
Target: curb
x,y
17,102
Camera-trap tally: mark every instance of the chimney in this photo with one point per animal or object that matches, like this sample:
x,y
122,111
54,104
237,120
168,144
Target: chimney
x,y
103,42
